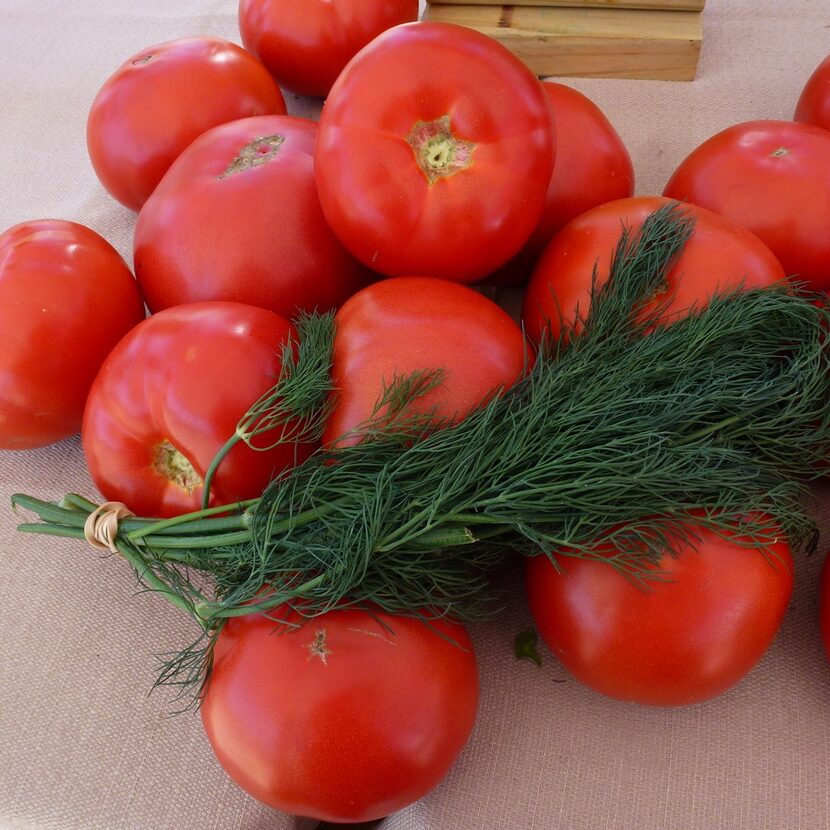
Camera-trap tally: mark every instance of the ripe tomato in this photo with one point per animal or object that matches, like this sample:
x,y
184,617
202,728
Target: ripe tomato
x,y
682,641
814,103
824,611
409,324
237,218
595,166
719,256
349,717
772,177
170,395
66,298
159,100
434,154
306,45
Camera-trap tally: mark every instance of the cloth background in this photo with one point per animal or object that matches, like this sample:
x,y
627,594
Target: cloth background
x,y
82,744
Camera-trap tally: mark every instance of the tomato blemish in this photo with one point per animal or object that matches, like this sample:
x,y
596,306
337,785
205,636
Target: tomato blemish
x,y
318,648
779,153
437,151
254,153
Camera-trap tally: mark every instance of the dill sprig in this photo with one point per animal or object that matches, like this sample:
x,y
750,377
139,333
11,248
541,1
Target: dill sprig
x,y
625,428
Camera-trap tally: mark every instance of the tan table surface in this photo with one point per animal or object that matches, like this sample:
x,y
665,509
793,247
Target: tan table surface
x,y
83,746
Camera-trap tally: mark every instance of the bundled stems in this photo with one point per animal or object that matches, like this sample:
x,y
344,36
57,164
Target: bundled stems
x,y
627,429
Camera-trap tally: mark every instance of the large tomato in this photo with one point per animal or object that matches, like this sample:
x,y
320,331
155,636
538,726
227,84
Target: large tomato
x,y
814,104
348,717
772,177
594,166
434,154
306,45
237,218
170,395
159,100
824,612
66,298
720,255
409,324
682,641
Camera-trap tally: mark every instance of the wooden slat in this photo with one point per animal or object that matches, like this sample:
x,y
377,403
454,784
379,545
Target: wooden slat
x,y
677,5
589,43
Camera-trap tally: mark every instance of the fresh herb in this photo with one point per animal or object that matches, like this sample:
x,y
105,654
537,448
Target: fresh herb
x,y
626,428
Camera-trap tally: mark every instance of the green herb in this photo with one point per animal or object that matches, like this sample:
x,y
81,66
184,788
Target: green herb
x,y
625,428
525,646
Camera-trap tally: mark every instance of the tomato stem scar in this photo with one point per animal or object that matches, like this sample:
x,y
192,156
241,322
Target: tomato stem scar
x,y
438,152
779,153
254,153
173,466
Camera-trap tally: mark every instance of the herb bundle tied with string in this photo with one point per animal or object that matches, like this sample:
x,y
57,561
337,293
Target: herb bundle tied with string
x,y
626,429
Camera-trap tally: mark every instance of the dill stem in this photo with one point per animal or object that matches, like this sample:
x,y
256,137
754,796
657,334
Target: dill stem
x,y
214,466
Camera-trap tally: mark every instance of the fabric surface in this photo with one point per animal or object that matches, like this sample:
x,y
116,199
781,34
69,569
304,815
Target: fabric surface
x,y
82,744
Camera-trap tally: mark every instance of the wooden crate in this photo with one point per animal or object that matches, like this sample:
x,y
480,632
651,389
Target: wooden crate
x,y
588,42
677,5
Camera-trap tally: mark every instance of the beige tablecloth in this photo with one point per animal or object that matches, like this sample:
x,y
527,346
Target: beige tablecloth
x,y
83,746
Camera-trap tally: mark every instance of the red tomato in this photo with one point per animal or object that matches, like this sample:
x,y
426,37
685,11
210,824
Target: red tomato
x,y
159,100
719,256
594,167
170,395
772,177
409,324
434,154
237,218
824,612
679,642
66,298
349,717
814,103
306,45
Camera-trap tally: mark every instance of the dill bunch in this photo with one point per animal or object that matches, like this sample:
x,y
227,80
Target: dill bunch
x,y
625,428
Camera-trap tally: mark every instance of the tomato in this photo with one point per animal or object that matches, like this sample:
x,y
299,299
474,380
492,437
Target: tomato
x,y
682,641
170,395
719,256
772,177
66,298
410,324
159,100
306,45
237,218
814,104
434,153
824,609
594,167
349,717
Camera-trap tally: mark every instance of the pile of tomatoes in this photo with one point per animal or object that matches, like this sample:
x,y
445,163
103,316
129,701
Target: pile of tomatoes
x,y
439,161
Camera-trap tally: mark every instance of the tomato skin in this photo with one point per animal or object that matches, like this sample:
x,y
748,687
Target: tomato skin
x,y
594,167
824,607
66,298
254,236
159,100
681,642
814,103
720,255
409,324
182,379
368,724
306,45
772,177
376,195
